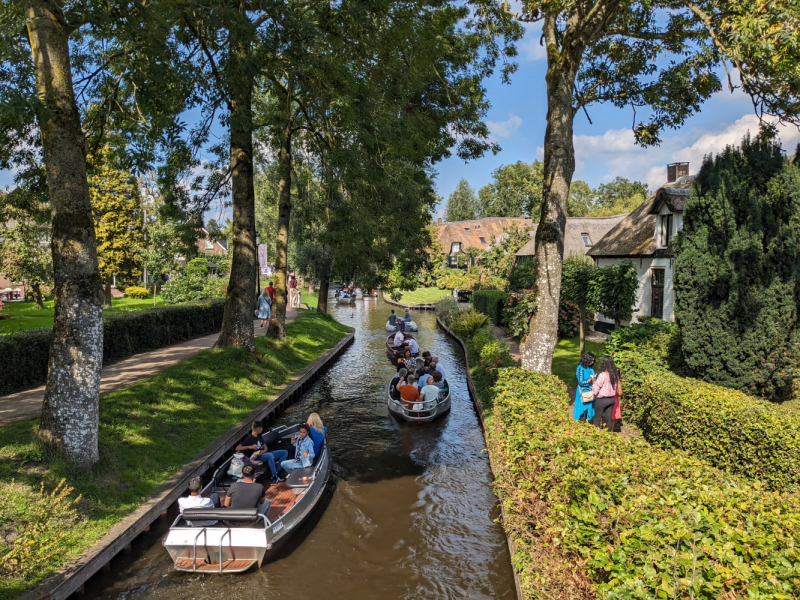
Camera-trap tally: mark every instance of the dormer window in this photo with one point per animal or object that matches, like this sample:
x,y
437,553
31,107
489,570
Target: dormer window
x,y
483,240
664,230
455,248
587,241
477,227
467,231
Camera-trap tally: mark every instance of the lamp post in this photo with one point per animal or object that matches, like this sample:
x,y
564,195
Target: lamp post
x,y
258,266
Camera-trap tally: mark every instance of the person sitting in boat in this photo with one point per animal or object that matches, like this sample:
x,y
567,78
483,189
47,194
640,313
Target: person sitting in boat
x,y
195,500
393,319
408,391
438,367
303,450
396,380
410,362
407,318
426,357
260,453
317,432
247,493
399,339
401,325
412,345
429,393
423,373
439,381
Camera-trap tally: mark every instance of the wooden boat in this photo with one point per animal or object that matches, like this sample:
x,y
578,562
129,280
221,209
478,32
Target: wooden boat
x,y
242,538
410,326
419,411
392,348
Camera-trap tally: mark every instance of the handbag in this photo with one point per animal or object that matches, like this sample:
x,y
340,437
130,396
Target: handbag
x,y
587,396
236,466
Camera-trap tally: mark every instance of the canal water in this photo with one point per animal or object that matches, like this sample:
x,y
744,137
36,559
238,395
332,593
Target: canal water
x,y
409,513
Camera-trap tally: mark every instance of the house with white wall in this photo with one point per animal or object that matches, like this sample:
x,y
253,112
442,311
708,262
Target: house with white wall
x,y
645,238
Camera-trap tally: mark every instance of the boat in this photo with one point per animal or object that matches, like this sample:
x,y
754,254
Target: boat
x,y
344,299
243,538
392,348
410,326
419,411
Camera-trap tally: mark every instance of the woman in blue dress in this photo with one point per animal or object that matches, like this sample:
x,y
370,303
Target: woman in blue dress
x,y
585,374
264,307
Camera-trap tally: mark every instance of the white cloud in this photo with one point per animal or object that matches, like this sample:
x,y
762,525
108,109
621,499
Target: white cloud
x,y
504,129
530,47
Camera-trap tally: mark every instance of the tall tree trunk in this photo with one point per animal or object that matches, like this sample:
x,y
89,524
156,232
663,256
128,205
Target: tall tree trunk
x,y
237,320
155,292
559,165
70,407
107,298
277,325
37,295
322,294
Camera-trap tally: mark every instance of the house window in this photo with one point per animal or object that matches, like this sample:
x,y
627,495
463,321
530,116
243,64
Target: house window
x,y
665,233
483,240
453,261
657,293
209,244
467,231
455,247
477,227
587,241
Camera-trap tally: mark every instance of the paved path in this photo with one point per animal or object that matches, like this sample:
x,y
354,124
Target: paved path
x,y
122,373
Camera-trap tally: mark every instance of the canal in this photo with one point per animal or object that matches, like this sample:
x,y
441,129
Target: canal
x,y
409,512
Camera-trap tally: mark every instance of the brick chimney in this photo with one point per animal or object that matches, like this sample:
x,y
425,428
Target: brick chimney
x,y
677,170
439,221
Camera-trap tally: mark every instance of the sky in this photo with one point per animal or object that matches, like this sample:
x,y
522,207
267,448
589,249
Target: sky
x,y
605,148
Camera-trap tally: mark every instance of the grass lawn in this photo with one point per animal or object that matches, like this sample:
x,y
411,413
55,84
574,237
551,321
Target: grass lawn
x,y
147,432
424,295
309,298
567,356
24,315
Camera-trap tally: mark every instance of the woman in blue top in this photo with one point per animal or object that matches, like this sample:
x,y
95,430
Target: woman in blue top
x,y
264,307
585,374
303,450
317,432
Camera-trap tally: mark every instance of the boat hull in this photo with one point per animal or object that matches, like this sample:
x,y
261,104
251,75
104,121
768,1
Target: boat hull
x,y
410,326
428,411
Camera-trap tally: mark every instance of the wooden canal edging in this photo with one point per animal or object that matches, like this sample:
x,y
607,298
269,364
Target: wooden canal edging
x,y
72,577
482,417
409,306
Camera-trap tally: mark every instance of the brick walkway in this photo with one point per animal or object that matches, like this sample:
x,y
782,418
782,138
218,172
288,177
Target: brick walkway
x,y
122,373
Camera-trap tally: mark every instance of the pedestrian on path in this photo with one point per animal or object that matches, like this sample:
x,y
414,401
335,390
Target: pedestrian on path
x,y
584,397
607,387
264,307
271,291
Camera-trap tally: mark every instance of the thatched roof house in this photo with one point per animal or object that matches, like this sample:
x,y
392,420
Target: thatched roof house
x,y
456,236
579,237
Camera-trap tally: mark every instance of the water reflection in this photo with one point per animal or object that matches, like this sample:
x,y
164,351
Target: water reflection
x,y
409,514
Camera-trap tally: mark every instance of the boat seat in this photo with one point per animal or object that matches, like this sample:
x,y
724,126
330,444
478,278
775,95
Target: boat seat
x,y
295,479
229,515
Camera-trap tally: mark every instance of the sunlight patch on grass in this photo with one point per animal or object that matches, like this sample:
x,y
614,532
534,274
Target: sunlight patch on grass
x,y
424,296
567,356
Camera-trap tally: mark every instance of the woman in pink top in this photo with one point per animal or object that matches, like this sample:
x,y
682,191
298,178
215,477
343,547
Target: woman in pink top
x,y
606,388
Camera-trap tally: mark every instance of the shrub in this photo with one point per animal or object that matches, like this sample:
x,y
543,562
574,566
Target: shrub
x,y
724,427
137,292
192,287
456,278
466,323
490,303
638,334
522,276
569,319
595,515
518,310
197,266
446,309
124,333
480,339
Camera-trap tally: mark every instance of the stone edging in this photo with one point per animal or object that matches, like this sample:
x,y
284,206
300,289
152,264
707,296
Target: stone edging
x,y
72,577
409,306
479,409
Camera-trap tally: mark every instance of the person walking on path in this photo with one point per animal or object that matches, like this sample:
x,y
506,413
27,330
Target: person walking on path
x,y
606,388
271,291
264,307
584,397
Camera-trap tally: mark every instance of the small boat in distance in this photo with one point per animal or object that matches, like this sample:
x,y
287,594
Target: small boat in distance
x,y
410,326
241,538
421,410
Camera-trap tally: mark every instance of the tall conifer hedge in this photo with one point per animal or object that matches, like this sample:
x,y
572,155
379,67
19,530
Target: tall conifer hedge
x,y
736,270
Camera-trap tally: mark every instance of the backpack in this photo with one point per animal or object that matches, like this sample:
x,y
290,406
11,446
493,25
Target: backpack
x,y
237,464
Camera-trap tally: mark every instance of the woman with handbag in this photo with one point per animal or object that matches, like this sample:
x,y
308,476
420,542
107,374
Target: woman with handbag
x,y
584,397
606,388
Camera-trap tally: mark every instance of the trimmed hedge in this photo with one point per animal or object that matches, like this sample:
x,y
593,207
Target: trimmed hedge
x,y
125,333
722,426
596,515
490,302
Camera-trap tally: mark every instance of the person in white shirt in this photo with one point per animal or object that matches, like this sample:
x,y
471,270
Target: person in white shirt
x,y
399,338
195,500
430,392
413,345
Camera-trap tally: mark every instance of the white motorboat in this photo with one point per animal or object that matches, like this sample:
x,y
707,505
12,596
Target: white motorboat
x,y
421,410
410,326
243,538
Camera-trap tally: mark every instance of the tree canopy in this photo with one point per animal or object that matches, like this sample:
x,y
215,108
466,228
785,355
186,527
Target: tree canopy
x,y
462,203
515,190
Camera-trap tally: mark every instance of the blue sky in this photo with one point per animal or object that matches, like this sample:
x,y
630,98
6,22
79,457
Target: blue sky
x,y
604,149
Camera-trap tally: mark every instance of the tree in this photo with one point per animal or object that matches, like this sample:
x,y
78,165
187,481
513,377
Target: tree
x,y
620,206
613,289
25,256
605,51
462,204
577,288
516,190
619,190
581,199
736,270
498,259
116,206
159,256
